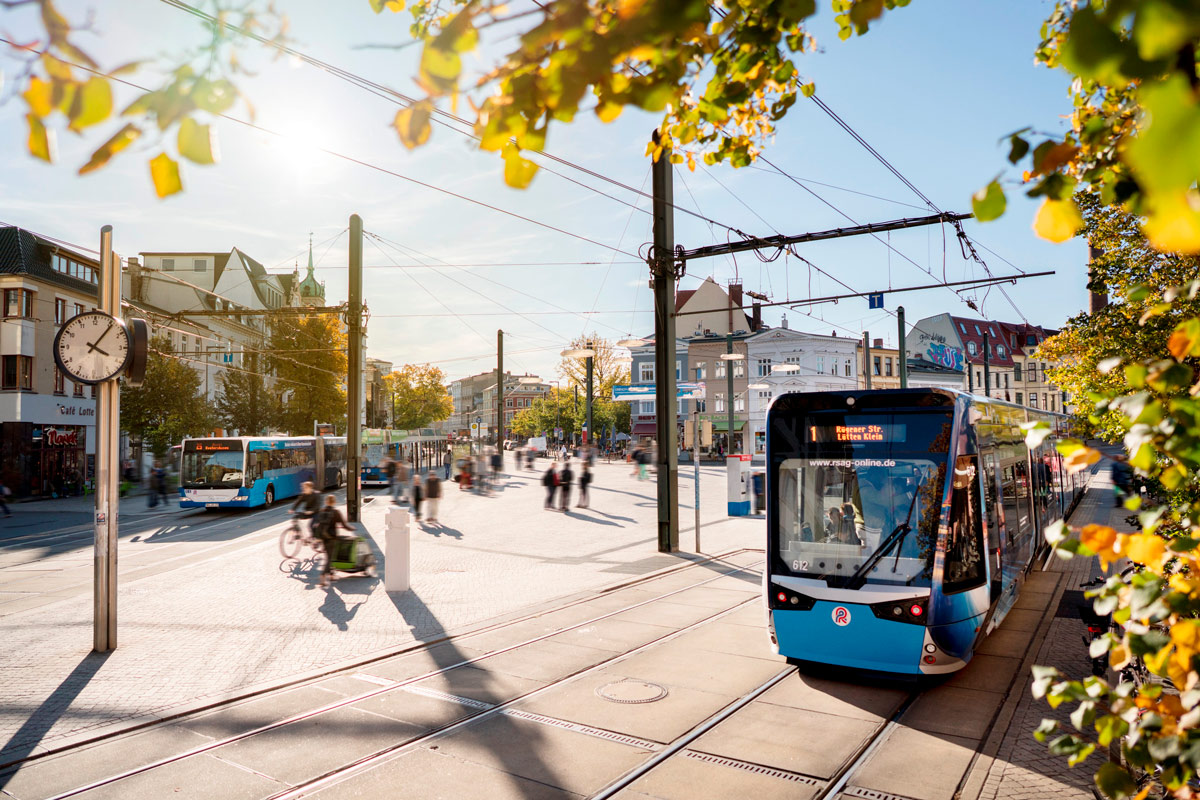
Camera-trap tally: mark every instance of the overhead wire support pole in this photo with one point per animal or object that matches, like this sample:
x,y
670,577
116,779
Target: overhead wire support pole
x,y
663,264
354,373
763,242
499,389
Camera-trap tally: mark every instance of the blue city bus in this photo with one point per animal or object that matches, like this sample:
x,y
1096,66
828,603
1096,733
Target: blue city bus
x,y
248,471
901,523
376,444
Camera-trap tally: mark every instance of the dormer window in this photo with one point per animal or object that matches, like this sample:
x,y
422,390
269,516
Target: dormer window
x,y
971,348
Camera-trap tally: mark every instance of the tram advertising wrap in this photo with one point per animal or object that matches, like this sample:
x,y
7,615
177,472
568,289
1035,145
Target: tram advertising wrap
x,y
883,508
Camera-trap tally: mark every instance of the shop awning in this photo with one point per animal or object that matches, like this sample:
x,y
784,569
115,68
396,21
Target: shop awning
x,y
722,425
645,429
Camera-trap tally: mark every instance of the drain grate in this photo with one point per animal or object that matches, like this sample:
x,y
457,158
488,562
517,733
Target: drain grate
x,y
631,691
469,702
757,769
599,733
871,794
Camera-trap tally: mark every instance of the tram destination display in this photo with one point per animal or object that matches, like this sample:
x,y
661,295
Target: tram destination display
x,y
824,434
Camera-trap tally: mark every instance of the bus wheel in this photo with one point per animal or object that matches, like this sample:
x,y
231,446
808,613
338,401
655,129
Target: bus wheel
x,y
270,497
340,480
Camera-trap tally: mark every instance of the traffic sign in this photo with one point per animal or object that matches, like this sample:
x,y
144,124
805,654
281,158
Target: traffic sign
x,y
479,420
875,300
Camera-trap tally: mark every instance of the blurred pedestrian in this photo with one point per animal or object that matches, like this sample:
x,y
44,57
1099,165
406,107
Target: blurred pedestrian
x,y
326,525
5,493
433,493
565,476
414,495
550,481
447,460
585,480
401,481
497,464
389,471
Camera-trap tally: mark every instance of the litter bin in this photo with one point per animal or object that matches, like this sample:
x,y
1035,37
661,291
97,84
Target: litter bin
x,y
759,483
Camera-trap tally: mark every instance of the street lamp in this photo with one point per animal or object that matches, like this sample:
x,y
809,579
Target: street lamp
x,y
588,353
729,356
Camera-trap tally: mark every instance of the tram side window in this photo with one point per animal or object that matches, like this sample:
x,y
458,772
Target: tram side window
x,y
964,544
1016,509
989,499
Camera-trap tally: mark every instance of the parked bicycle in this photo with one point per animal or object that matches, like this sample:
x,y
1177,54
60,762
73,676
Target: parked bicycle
x,y
295,536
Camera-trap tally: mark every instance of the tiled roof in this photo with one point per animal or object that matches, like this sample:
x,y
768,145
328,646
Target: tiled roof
x,y
965,328
25,253
682,296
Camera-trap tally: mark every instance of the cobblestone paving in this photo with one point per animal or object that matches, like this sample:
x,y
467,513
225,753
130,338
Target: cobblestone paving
x,y
207,625
1024,768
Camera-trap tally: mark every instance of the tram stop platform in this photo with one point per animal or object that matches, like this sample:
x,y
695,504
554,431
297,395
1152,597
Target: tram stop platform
x,y
659,688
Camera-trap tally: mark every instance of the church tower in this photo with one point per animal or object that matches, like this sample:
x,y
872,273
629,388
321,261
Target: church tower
x,y
312,293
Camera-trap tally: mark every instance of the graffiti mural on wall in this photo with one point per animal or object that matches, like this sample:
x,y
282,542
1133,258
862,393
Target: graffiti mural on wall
x,y
945,356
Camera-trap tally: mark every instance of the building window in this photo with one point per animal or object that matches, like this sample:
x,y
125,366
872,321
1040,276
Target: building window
x,y
1000,351
833,365
78,309
849,368
1030,339
1006,380
1017,372
739,403
962,326
59,382
678,370
647,407
18,303
739,369
878,365
977,331
78,390
718,369
719,402
979,380
971,348
887,364
1033,400
198,265
700,406
764,367
646,372
1052,408
820,363
17,372
1020,398
700,370
168,265
60,311
1045,401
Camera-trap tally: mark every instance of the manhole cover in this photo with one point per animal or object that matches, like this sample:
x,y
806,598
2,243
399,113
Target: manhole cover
x,y
632,691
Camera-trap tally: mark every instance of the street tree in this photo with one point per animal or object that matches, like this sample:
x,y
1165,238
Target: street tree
x,y
722,74
168,406
243,402
417,395
606,366
307,356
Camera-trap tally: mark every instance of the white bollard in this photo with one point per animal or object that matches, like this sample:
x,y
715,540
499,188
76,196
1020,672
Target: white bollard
x,y
396,548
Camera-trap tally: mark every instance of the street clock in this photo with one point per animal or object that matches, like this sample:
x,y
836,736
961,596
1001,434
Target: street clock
x,y
94,347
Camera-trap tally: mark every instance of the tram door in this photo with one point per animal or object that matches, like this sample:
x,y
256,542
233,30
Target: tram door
x,y
1018,513
991,503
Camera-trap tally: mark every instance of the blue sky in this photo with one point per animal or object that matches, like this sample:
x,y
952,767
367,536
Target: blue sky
x,y
933,87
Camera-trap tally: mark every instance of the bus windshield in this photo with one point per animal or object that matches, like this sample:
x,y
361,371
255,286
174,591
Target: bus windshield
x,y
212,465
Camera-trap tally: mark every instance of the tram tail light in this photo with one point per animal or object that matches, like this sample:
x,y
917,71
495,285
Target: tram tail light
x,y
781,598
911,611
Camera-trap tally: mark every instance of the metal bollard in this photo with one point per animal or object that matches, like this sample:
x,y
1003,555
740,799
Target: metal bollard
x,y
397,550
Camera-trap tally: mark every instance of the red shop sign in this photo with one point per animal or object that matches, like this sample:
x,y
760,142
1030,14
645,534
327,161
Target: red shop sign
x,y
56,438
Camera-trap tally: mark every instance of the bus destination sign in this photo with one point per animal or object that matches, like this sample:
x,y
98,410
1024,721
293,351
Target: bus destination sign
x,y
857,433
214,447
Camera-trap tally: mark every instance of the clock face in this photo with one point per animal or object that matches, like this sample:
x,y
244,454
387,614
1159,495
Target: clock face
x,y
92,347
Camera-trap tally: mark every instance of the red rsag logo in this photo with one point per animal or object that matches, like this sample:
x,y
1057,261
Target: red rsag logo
x,y
841,616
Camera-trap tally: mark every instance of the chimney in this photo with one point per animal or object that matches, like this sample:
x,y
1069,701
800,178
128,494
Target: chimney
x,y
878,344
784,323
756,318
1097,292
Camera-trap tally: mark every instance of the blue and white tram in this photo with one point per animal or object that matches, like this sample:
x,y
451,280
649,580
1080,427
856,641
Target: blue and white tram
x,y
248,471
901,523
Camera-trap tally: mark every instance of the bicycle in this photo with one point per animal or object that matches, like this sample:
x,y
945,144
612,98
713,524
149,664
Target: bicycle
x,y
294,537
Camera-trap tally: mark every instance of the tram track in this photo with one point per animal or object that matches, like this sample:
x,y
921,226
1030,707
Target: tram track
x,y
402,685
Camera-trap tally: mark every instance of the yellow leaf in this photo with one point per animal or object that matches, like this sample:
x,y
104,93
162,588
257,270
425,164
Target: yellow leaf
x,y
1080,459
1186,634
1173,224
1057,220
1145,548
439,69
518,171
123,138
196,142
1103,541
691,162
1119,656
38,97
165,172
412,124
1157,662
92,103
607,112
41,141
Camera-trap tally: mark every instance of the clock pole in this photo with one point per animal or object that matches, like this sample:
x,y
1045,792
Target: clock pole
x,y
107,424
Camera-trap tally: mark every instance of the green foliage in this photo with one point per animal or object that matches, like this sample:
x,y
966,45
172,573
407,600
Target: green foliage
x,y
243,402
168,406
417,396
308,359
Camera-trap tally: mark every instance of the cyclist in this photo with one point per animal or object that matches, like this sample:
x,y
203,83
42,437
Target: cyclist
x,y
326,525
307,504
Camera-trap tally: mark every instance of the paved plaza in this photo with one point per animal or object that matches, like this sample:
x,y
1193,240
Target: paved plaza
x,y
522,664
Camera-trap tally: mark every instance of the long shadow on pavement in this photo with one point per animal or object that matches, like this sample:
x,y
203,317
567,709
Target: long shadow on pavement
x,y
23,742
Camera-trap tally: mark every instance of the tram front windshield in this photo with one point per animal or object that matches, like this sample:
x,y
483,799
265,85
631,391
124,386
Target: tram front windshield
x,y
212,465
857,486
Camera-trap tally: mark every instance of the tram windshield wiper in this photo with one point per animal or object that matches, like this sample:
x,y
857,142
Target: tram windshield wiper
x,y
893,540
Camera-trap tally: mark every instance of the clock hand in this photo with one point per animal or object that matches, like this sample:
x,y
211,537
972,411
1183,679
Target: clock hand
x,y
92,346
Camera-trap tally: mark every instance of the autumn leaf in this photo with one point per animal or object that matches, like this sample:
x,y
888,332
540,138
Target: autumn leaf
x,y
1185,340
1102,540
988,203
93,103
1173,223
196,142
1057,220
38,97
1145,548
123,138
41,143
413,124
1080,459
518,171
164,170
